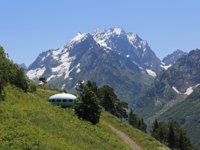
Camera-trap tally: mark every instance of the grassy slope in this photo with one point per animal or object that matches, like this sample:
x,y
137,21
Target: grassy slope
x,y
146,141
28,120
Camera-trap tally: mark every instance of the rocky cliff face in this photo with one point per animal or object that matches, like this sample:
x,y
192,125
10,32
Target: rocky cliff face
x,y
172,58
172,85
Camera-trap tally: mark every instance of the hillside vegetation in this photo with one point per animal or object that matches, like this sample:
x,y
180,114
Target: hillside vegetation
x,y
188,114
29,121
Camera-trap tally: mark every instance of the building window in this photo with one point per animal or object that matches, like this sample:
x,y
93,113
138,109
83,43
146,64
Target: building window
x,y
64,100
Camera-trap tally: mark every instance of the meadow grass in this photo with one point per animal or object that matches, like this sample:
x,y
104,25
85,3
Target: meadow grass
x,y
29,121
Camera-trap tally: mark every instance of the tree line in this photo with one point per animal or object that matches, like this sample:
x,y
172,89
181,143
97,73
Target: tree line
x,y
171,134
93,99
11,73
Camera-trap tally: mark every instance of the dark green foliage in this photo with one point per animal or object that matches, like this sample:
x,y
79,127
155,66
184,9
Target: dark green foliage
x,y
121,108
43,80
106,98
92,86
142,125
155,127
136,122
87,106
11,73
110,102
172,135
3,80
133,119
184,142
160,131
19,79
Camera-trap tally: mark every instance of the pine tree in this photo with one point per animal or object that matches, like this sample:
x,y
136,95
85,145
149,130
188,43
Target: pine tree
x,y
171,137
92,86
87,106
155,129
121,109
43,80
184,142
108,103
132,119
142,125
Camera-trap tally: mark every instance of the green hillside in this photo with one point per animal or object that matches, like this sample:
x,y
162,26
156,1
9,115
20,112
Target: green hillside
x,y
188,114
29,121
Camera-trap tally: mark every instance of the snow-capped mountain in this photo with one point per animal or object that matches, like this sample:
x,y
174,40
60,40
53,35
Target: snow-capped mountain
x,y
122,60
129,45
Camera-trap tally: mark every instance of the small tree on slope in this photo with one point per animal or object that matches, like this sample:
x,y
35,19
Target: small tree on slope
x,y
87,106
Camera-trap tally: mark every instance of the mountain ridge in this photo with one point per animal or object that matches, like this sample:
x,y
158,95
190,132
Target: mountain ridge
x,y
175,83
106,57
174,95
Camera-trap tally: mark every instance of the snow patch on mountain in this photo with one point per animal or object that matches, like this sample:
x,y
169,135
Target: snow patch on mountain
x,y
176,90
78,68
190,89
131,38
63,86
102,36
37,73
78,37
56,53
164,66
51,77
103,43
151,73
117,31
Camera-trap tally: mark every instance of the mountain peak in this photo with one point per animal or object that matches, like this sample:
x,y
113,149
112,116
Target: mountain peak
x,y
79,37
107,33
117,30
173,57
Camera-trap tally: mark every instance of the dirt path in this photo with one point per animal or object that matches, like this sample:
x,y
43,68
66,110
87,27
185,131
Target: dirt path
x,y
124,137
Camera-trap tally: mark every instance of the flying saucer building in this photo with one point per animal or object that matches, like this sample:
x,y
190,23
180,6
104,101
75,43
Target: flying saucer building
x,y
63,99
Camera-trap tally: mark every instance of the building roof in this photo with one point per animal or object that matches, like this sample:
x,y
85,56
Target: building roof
x,y
63,96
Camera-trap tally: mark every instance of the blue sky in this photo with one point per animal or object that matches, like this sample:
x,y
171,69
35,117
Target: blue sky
x,y
28,27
